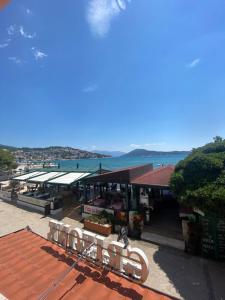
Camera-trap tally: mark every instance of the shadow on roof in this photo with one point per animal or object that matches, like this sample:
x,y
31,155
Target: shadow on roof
x,y
100,276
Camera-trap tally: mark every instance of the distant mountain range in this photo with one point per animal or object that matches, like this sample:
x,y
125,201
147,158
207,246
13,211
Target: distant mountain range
x,y
58,153
10,148
50,153
110,153
143,152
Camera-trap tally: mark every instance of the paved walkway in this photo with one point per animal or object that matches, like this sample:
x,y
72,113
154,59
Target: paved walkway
x,y
162,240
171,271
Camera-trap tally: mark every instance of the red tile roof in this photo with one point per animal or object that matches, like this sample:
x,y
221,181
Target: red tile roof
x,y
157,177
29,264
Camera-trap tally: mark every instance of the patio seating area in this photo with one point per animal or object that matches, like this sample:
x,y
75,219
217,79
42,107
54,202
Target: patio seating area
x,y
109,200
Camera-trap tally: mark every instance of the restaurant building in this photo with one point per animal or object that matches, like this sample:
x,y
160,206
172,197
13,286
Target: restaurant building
x,y
47,192
138,196
131,195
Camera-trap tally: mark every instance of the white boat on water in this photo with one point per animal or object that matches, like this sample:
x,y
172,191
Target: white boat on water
x,y
50,165
28,166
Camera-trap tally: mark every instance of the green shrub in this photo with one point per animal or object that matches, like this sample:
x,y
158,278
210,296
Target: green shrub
x,y
7,160
199,179
103,218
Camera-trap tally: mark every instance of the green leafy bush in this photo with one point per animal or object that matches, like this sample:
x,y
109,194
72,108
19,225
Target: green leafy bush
x,y
7,160
103,218
199,179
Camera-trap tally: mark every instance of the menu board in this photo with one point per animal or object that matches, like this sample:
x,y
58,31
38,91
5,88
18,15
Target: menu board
x,y
208,238
221,238
213,237
94,210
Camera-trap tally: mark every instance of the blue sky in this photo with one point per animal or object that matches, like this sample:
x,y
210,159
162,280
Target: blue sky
x,y
112,74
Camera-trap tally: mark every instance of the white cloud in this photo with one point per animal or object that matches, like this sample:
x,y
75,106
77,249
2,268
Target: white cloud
x,y
38,54
147,145
135,146
121,4
15,60
193,63
93,147
15,29
100,14
90,88
28,11
26,35
4,45
11,29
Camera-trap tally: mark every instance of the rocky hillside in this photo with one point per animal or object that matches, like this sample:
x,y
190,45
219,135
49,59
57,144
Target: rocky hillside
x,y
143,152
50,153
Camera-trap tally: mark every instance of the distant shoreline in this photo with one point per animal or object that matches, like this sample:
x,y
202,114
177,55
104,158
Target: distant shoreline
x,y
113,163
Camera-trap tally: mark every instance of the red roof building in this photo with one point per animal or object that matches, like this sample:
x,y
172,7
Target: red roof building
x,y
141,175
30,264
159,177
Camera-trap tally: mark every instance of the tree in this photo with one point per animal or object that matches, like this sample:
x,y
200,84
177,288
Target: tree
x,y
218,139
199,179
7,160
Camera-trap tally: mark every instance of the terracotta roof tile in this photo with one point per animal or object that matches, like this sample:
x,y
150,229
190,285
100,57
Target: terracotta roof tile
x,y
157,177
29,264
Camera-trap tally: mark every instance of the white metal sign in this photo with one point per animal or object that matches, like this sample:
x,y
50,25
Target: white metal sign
x,y
131,262
94,210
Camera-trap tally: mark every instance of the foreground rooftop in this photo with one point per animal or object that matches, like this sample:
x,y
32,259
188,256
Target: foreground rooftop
x,y
29,264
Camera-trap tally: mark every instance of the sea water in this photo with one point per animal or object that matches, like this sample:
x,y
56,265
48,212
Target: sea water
x,y
112,163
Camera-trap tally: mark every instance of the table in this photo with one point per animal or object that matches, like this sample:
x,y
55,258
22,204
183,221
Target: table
x,y
116,206
99,202
42,196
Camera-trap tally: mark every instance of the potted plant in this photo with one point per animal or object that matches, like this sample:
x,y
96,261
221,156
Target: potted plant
x,y
192,235
101,223
120,219
137,225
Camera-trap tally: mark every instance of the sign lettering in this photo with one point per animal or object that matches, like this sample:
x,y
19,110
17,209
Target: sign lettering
x,y
134,263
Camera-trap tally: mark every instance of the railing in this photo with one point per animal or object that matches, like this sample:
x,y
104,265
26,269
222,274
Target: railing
x,y
33,201
43,206
36,204
4,195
